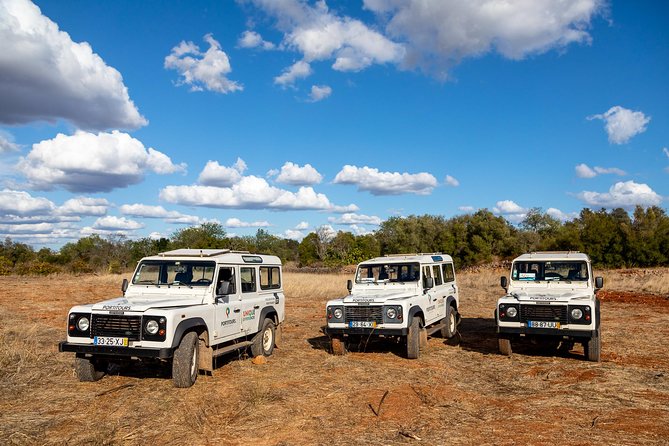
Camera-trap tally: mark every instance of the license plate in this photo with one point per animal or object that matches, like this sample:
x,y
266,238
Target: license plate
x,y
114,342
362,324
543,324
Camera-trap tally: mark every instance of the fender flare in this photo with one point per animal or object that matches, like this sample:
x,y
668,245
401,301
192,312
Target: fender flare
x,y
263,315
187,325
413,311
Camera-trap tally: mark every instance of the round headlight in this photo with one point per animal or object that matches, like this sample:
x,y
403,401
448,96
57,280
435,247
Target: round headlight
x,y
151,327
576,313
391,313
83,323
338,313
511,312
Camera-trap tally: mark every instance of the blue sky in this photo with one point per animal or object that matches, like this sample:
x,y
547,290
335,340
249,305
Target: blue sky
x,y
141,118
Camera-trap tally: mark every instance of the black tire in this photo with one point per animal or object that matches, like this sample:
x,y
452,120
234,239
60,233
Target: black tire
x,y
89,369
450,323
338,346
185,363
592,348
263,342
413,339
504,346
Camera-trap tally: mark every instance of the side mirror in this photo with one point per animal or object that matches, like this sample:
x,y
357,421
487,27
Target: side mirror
x,y
349,285
124,286
599,282
504,283
429,283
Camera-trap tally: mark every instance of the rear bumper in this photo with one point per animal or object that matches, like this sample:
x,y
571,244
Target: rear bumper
x,y
512,331
90,349
366,331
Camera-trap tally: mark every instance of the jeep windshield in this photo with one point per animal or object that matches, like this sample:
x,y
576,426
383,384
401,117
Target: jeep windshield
x,y
550,271
174,272
388,272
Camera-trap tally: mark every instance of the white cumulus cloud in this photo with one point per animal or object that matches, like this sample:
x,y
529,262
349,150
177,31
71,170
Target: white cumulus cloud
x,y
214,174
84,206
302,226
21,203
237,223
386,183
296,175
299,70
47,76
318,34
466,209
451,181
250,192
87,162
112,223
440,33
627,194
622,124
148,211
319,92
7,143
510,210
202,71
584,171
562,216
292,234
251,39
351,218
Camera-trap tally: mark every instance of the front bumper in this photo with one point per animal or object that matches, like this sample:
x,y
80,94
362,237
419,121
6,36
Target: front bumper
x,y
512,331
330,331
136,352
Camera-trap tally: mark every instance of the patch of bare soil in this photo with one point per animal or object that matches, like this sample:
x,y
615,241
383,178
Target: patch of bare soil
x,y
454,394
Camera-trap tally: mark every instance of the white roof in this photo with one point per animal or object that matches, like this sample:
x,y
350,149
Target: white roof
x,y
553,256
218,255
419,258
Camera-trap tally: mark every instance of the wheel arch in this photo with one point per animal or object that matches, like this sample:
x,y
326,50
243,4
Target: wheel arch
x,y
196,324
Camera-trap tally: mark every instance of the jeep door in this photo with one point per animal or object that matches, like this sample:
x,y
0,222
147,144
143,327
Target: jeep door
x,y
251,300
433,297
227,304
449,282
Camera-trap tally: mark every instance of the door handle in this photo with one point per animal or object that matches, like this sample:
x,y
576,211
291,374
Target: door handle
x,y
237,310
255,307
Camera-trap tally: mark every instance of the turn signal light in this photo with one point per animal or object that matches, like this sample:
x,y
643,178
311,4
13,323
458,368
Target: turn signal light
x,y
161,332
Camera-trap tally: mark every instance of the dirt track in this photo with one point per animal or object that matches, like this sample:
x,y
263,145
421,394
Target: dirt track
x,y
464,394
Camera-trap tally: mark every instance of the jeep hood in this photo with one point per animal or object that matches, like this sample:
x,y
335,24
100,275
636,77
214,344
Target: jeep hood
x,y
549,296
142,303
378,296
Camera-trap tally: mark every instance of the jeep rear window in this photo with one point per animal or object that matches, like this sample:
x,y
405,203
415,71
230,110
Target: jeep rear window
x,y
388,272
174,272
549,271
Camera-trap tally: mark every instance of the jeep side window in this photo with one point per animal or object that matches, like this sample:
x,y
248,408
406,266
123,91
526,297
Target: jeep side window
x,y
226,281
427,272
248,276
449,274
436,273
270,278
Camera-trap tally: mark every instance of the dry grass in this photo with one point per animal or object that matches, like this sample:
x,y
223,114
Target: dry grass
x,y
466,394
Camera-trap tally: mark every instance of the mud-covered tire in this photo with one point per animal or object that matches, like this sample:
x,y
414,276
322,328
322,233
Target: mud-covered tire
x,y
186,361
413,339
338,346
263,342
592,348
450,323
88,369
504,345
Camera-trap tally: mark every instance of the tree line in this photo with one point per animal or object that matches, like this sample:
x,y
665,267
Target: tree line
x,y
612,238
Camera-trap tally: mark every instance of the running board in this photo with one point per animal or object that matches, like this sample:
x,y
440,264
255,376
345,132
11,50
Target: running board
x,y
231,348
432,330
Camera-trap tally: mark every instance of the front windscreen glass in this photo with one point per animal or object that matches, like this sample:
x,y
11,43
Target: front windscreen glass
x,y
388,272
174,272
548,271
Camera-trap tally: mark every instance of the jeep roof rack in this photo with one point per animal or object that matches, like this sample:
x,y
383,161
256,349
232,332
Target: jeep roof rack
x,y
188,252
414,254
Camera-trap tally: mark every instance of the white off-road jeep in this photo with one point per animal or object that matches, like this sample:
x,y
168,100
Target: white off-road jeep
x,y
401,297
551,299
182,307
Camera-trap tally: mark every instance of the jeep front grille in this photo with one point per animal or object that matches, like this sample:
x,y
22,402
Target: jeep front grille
x,y
117,326
364,313
544,313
